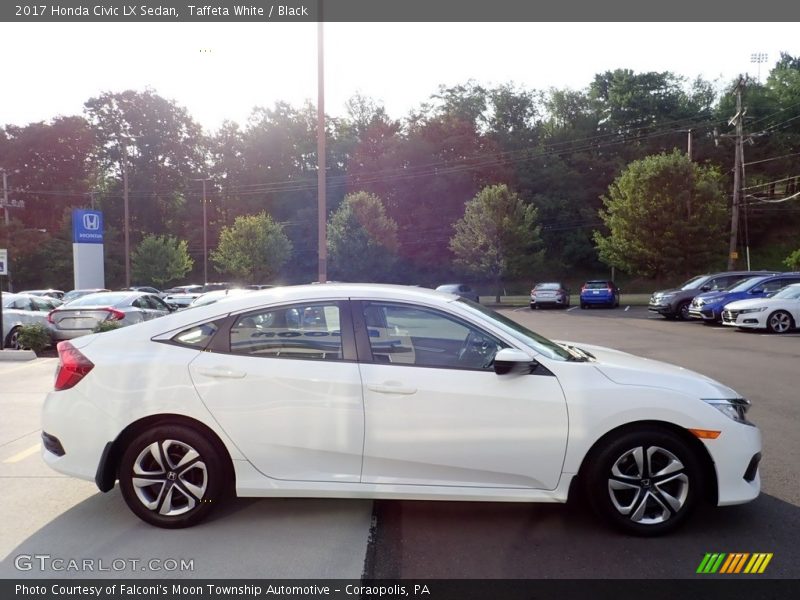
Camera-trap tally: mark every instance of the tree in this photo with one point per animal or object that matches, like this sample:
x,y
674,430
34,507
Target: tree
x,y
253,249
665,215
497,236
793,260
159,260
362,239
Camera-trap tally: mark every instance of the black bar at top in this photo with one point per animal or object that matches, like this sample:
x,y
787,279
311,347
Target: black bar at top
x,y
676,11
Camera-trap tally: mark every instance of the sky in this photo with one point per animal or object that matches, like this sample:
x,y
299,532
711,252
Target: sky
x,y
221,71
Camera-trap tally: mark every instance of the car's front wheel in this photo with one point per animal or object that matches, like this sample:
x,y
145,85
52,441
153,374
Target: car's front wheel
x,y
644,482
780,322
172,476
12,341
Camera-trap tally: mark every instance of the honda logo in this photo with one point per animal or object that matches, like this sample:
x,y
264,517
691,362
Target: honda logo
x,y
91,221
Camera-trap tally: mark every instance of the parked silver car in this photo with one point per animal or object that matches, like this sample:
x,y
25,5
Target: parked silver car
x,y
459,289
83,314
24,309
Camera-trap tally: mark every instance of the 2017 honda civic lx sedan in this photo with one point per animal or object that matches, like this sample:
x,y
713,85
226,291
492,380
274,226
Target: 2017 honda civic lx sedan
x,y
391,392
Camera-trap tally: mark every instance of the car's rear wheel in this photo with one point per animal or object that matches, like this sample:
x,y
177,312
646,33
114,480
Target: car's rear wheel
x,y
780,322
172,476
645,481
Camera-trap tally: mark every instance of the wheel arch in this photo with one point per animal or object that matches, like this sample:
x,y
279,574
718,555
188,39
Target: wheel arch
x,y
108,468
709,473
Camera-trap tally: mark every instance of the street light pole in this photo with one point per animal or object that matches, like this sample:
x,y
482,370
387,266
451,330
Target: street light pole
x,y
321,211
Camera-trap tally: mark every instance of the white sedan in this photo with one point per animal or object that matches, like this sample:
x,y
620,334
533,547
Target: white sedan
x,y
377,391
779,313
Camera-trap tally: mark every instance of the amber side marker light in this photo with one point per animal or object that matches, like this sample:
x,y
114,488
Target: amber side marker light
x,y
705,434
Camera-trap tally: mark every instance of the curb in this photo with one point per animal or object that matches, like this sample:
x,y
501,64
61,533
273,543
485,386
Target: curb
x,y
16,355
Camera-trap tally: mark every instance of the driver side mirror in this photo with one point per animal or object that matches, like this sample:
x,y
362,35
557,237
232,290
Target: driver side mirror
x,y
510,360
705,288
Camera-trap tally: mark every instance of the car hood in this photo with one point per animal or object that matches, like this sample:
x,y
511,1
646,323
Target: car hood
x,y
747,303
626,369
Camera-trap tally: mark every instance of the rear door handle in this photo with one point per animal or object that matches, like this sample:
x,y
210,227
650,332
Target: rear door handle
x,y
222,372
392,387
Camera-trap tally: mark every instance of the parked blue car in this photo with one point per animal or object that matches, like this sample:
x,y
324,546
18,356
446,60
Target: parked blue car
x,y
599,292
709,305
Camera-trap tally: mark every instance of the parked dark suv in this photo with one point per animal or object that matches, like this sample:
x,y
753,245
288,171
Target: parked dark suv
x,y
674,303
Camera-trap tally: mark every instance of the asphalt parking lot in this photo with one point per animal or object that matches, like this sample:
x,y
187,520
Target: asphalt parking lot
x,y
48,514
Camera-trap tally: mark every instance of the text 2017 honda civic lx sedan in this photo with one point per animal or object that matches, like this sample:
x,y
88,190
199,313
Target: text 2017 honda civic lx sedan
x,y
389,392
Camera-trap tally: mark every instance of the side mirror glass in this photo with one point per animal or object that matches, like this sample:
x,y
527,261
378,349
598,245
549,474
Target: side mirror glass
x,y
705,288
510,360
757,291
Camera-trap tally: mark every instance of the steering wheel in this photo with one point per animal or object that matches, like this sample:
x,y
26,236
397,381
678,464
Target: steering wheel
x,y
476,347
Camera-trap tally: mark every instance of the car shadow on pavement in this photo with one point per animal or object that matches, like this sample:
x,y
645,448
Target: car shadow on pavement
x,y
245,538
519,541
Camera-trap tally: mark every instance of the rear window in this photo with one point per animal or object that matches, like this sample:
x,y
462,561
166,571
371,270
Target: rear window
x,y
100,299
548,286
596,285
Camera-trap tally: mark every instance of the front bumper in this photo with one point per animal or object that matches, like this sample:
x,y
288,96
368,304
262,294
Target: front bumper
x,y
703,313
736,454
756,320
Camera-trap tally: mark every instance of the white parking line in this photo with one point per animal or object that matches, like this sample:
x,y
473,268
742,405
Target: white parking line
x,y
571,309
627,308
23,455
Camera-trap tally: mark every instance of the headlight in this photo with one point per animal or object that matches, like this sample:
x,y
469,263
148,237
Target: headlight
x,y
752,310
735,408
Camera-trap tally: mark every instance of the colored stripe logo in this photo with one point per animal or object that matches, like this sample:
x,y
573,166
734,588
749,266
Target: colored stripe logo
x,y
734,563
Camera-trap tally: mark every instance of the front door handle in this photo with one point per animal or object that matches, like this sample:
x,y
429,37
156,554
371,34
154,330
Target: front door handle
x,y
222,372
391,387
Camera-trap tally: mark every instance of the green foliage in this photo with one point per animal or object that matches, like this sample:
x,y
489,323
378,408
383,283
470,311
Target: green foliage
x,y
34,336
106,326
253,249
793,260
159,260
498,236
665,215
362,240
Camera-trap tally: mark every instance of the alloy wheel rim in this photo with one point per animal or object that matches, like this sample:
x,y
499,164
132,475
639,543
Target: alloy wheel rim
x,y
779,322
649,485
169,477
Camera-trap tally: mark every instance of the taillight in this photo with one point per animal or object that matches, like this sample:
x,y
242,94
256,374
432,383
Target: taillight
x,y
583,288
72,366
114,314
50,317
610,290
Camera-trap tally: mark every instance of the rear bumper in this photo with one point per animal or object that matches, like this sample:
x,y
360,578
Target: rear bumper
x,y
598,299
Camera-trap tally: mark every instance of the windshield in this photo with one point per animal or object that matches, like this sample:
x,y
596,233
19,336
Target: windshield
x,y
745,285
534,341
694,282
791,292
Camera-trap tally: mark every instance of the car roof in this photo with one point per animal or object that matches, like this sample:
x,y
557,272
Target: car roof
x,y
177,321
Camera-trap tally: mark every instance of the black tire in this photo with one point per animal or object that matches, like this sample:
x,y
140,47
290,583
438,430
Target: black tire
x,y
682,311
533,307
635,499
12,340
583,306
200,486
780,322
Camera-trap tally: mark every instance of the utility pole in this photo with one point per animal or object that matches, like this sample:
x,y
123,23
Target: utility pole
x,y
126,225
205,232
5,196
737,119
689,144
322,236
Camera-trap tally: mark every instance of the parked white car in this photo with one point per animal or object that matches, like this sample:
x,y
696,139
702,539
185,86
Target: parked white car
x,y
778,313
377,391
24,309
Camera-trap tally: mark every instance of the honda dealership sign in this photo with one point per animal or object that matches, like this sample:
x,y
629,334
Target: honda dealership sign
x,y
87,227
87,248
